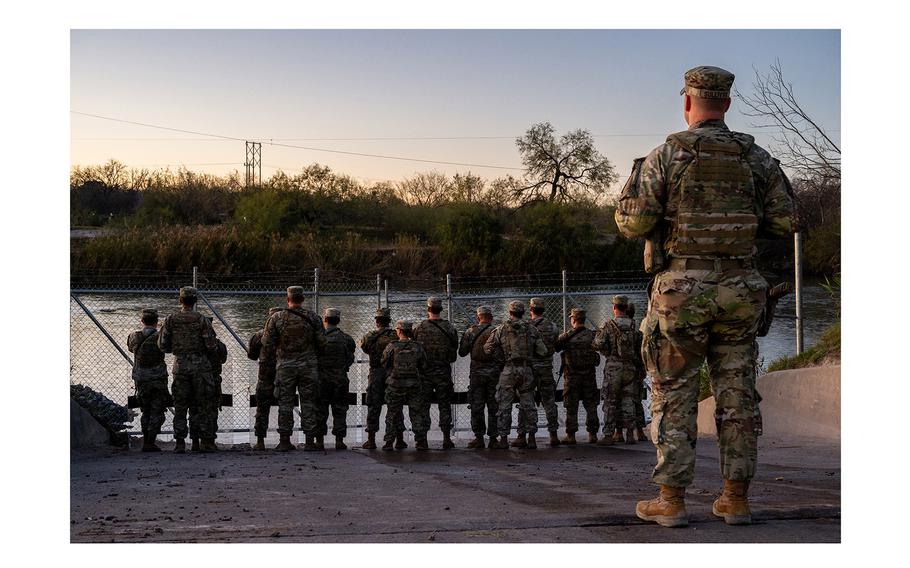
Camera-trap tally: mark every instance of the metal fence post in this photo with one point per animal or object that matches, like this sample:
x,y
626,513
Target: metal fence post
x,y
798,286
386,286
449,296
378,291
565,293
196,277
316,290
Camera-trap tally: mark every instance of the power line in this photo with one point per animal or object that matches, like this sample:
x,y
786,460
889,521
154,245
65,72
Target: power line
x,y
279,144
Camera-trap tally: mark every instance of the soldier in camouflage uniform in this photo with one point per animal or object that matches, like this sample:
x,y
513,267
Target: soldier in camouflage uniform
x,y
406,364
374,344
701,199
334,363
190,337
484,377
620,344
520,343
265,385
544,382
439,339
212,402
150,377
296,335
580,367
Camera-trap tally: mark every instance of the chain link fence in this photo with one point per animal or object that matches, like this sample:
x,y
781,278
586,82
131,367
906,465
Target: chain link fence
x,y
105,308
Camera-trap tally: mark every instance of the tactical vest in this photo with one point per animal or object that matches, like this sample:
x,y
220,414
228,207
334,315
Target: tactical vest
x,y
148,355
517,344
335,354
186,332
579,352
715,208
296,337
549,333
438,341
623,344
377,342
405,364
478,355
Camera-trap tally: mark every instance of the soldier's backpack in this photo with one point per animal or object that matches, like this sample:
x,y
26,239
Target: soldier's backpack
x,y
297,333
623,341
405,365
148,354
516,341
716,211
186,328
255,346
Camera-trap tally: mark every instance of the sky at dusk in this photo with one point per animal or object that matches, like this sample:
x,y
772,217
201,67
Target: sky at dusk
x,y
475,89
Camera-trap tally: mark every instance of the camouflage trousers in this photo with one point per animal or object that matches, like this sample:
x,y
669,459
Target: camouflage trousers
x,y
333,394
545,386
153,402
482,400
516,384
194,391
619,396
415,397
265,399
303,381
581,386
439,382
376,398
697,315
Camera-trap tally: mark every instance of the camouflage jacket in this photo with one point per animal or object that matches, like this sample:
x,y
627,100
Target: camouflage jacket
x,y
548,333
577,346
265,356
472,342
297,342
144,344
650,198
401,375
439,339
518,340
618,340
337,355
375,342
187,333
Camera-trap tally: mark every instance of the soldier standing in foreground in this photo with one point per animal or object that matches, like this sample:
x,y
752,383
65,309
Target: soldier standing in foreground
x,y
544,383
334,363
520,343
150,376
484,377
265,385
620,344
190,337
581,382
439,339
374,344
406,363
701,199
296,335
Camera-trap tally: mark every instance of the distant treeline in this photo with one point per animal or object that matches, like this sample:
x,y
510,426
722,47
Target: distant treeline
x,y
427,224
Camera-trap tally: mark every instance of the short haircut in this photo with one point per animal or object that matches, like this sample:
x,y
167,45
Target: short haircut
x,y
580,318
714,105
188,301
150,319
296,298
517,314
485,317
406,332
435,309
383,320
333,320
537,310
622,307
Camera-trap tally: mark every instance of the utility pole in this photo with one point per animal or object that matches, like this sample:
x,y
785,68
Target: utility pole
x,y
253,164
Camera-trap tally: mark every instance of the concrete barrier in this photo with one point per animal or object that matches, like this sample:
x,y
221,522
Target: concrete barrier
x,y
85,431
795,403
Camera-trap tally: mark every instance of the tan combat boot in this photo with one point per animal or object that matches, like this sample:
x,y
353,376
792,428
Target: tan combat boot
x,y
519,442
532,442
592,437
320,443
447,443
569,439
667,510
630,435
260,444
208,446
477,443
554,439
284,443
400,444
605,441
180,446
196,447
339,443
617,436
732,505
501,444
388,447
370,444
641,435
309,444
422,445
148,443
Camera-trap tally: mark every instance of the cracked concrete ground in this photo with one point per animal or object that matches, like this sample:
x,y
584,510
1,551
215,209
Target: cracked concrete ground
x,y
566,494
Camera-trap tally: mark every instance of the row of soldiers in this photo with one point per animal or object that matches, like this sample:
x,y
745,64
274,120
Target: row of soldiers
x,y
303,358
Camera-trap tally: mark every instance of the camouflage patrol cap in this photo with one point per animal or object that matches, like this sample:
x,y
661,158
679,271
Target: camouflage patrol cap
x,y
331,313
295,291
578,313
537,303
188,292
621,300
484,311
434,302
404,325
383,313
708,82
516,306
149,313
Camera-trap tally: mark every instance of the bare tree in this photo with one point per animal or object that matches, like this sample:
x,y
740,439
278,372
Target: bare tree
x,y
802,145
564,169
425,188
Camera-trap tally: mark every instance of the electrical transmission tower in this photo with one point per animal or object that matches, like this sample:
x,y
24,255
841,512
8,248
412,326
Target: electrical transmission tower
x,y
253,164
